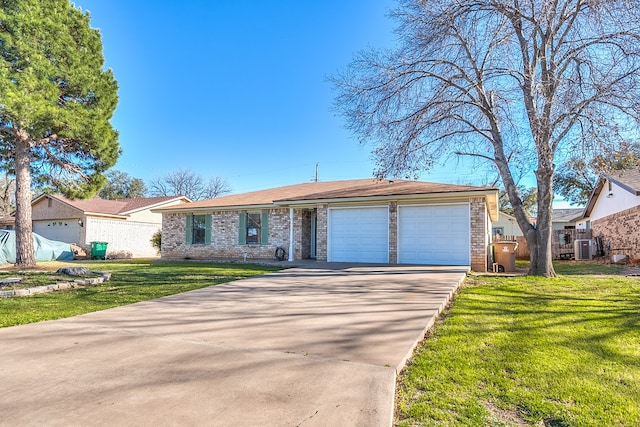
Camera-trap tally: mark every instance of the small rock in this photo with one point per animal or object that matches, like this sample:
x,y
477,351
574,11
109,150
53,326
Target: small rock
x,y
74,271
10,280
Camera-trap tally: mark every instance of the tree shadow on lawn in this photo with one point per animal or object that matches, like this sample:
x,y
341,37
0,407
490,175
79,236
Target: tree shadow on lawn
x,y
597,316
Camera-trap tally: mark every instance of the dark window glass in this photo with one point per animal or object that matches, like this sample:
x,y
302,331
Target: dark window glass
x,y
197,229
253,228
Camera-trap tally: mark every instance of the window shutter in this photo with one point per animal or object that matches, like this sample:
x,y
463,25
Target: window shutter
x,y
264,228
242,228
188,230
207,229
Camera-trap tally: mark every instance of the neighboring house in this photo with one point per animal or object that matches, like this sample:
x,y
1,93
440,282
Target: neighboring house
x,y
613,213
506,225
7,222
565,219
125,225
565,232
371,221
562,219
563,224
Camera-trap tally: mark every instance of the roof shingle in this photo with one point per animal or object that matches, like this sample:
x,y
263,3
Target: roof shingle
x,y
113,207
332,190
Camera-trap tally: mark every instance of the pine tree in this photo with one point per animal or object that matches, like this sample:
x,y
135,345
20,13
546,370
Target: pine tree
x,y
56,102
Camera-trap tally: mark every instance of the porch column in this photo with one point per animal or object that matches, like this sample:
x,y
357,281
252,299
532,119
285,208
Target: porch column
x,y
290,234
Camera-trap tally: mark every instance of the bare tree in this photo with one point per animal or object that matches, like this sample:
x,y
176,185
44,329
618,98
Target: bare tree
x,y
189,184
501,81
216,187
7,193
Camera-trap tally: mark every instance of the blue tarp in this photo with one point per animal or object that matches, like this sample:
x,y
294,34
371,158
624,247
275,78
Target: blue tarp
x,y
46,250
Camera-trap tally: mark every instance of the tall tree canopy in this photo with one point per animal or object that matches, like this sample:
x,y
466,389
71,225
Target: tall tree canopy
x,y
500,81
187,183
529,201
120,185
56,102
575,180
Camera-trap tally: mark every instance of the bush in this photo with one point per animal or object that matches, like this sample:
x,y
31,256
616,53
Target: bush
x,y
156,240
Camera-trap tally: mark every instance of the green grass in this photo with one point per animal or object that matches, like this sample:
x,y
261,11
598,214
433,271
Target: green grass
x,y
131,281
533,351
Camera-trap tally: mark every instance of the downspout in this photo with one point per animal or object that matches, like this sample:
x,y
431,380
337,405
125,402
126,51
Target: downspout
x,y
290,234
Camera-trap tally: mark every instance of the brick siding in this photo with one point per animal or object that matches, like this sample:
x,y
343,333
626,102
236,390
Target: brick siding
x,y
224,235
479,235
620,232
321,226
393,232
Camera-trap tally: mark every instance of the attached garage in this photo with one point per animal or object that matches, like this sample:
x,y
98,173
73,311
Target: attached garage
x,y
365,220
434,234
358,234
66,230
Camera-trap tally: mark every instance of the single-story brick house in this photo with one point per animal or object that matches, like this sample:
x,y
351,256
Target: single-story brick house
x,y
613,213
367,220
125,225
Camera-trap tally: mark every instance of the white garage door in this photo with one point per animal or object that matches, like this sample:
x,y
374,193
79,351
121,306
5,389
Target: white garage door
x,y
358,235
66,231
436,235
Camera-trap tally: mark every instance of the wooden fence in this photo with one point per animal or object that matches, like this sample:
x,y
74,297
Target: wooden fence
x,y
522,250
562,241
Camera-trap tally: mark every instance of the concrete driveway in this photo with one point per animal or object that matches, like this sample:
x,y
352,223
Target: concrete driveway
x,y
302,347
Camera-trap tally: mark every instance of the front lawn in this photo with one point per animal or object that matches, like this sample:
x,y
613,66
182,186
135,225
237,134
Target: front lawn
x,y
531,351
131,281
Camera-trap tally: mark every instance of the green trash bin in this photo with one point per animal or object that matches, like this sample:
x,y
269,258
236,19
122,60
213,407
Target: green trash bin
x,y
98,250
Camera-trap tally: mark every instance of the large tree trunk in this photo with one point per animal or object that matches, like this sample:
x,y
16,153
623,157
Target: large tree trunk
x,y
539,239
25,256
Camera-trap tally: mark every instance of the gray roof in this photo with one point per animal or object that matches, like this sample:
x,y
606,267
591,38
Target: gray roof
x,y
628,179
567,215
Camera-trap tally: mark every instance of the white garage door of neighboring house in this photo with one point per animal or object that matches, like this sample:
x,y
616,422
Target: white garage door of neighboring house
x,y
67,231
436,235
358,234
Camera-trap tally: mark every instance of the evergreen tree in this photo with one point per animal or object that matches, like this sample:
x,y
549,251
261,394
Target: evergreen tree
x,y
56,102
121,185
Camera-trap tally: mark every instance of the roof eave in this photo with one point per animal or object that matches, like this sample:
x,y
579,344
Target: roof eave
x,y
182,208
155,205
597,189
491,197
105,215
623,185
447,194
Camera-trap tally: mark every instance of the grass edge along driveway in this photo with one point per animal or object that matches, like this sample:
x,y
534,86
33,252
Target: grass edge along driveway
x,y
531,351
131,281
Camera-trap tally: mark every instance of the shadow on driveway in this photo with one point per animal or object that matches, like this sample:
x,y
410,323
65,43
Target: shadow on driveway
x,y
304,346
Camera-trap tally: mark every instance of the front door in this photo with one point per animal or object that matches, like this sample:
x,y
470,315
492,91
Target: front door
x,y
314,234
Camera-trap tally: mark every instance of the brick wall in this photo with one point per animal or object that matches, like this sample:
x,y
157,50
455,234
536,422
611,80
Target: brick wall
x,y
620,232
393,232
224,237
479,236
225,244
321,244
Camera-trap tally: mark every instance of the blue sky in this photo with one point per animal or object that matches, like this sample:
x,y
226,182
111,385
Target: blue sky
x,y
239,89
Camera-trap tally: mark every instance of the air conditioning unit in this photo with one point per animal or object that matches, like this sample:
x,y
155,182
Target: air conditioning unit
x,y
582,249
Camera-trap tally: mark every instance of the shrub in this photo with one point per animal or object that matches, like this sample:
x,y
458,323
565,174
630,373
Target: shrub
x,y
156,240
